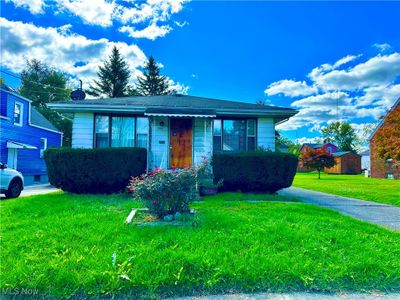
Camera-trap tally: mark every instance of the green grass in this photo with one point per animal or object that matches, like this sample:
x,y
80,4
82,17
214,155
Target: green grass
x,y
355,186
62,244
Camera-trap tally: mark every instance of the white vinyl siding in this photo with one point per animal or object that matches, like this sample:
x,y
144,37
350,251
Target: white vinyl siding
x,y
159,143
82,130
202,139
266,133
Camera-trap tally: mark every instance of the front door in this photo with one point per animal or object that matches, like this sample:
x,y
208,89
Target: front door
x,y
181,143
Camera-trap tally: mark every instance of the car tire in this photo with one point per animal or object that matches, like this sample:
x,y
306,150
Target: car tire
x,y
14,190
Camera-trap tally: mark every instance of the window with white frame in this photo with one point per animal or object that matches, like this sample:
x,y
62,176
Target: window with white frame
x,y
43,146
234,135
18,113
120,131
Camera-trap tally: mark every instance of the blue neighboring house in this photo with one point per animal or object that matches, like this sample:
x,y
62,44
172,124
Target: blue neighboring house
x,y
24,135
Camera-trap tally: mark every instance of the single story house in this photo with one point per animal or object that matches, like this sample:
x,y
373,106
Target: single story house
x,y
346,163
331,148
391,167
177,130
25,134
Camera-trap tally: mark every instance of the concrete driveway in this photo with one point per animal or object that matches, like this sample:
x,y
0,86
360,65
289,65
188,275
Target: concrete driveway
x,y
37,189
372,212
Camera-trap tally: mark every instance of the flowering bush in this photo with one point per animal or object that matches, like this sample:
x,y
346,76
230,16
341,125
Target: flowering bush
x,y
165,192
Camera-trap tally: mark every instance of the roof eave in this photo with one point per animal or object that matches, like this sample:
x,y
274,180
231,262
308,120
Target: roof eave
x,y
276,113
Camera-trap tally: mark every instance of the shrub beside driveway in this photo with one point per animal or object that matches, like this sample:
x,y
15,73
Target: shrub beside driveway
x,y
78,245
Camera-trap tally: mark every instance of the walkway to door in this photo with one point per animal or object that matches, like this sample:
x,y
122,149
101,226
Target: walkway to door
x,y
372,212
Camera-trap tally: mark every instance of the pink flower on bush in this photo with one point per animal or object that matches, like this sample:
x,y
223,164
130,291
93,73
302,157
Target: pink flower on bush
x,y
155,202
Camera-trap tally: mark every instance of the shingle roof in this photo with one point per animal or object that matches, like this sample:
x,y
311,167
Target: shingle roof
x,y
314,146
39,120
341,153
181,101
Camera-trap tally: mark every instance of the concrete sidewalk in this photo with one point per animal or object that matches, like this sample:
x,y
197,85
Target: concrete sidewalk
x,y
372,212
296,296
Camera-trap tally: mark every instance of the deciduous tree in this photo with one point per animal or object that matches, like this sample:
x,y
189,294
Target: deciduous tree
x,y
340,133
387,139
42,84
317,159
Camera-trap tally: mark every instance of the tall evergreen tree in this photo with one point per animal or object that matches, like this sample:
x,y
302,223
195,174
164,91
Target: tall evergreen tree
x,y
152,83
43,84
113,78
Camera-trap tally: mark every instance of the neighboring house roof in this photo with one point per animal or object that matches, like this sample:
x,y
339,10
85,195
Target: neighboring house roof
x,y
341,153
314,146
178,103
35,118
364,153
39,120
8,88
383,120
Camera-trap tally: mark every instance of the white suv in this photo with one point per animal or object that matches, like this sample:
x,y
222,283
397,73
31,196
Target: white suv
x,y
11,181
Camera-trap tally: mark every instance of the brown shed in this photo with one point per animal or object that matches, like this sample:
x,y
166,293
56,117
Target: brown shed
x,y
346,163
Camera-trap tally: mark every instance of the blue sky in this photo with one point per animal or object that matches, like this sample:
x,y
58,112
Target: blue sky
x,y
311,56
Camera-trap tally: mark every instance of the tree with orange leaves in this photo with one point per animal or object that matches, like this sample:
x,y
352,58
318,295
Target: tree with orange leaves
x,y
387,141
317,159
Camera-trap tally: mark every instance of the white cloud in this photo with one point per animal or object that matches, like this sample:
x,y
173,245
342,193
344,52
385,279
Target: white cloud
x,y
34,6
312,140
94,12
327,100
365,89
290,88
60,49
151,32
378,70
383,47
345,60
123,14
178,87
379,95
181,24
316,72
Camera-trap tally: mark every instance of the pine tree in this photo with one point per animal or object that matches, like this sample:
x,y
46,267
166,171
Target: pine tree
x,y
152,83
113,77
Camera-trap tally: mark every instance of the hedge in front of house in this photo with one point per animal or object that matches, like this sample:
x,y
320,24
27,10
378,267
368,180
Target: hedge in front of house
x,y
255,171
94,170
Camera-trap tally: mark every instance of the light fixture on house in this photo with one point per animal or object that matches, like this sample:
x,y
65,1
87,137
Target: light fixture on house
x,y
162,124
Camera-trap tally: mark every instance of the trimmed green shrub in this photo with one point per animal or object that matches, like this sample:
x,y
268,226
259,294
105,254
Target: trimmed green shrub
x,y
94,170
255,171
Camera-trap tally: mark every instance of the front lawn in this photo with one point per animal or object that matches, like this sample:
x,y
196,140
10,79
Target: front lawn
x,y
354,186
64,245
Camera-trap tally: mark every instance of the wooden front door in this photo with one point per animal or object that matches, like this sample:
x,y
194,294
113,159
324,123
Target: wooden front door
x,y
181,143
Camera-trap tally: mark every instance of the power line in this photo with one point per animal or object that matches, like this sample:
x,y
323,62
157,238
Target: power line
x,y
36,82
